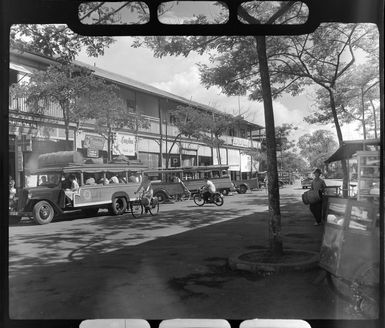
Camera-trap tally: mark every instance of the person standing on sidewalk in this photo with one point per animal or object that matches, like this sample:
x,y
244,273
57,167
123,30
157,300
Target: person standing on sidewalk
x,y
318,185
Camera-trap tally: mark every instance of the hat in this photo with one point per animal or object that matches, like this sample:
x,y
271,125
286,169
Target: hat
x,y
317,171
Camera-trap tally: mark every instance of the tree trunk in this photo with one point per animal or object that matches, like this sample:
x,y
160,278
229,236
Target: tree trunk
x,y
275,238
65,111
340,142
109,144
219,155
363,113
374,119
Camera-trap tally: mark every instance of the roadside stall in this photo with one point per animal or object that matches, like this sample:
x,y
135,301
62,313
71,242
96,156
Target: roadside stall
x,y
350,249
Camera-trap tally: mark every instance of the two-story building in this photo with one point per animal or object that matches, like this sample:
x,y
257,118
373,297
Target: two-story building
x,y
31,135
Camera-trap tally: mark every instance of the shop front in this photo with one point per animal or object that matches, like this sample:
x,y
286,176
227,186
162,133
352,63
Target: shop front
x,y
350,249
27,142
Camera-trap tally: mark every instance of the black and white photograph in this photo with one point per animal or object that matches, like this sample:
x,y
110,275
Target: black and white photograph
x,y
224,177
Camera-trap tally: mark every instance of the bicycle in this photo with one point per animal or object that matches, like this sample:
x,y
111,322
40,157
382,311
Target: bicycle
x,y
137,207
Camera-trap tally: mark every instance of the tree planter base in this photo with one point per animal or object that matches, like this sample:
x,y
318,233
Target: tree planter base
x,y
262,261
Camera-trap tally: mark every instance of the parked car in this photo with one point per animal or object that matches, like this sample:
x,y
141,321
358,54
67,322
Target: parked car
x,y
306,182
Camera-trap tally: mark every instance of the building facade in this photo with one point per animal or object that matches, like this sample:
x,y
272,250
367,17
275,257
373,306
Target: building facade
x,y
31,135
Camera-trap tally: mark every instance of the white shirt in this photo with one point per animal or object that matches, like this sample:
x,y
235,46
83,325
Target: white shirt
x,y
74,185
210,186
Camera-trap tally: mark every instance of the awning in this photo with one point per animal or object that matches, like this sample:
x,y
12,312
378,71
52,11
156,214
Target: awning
x,y
20,68
349,148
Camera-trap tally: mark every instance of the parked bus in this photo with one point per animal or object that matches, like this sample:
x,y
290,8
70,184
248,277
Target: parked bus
x,y
169,183
110,186
194,178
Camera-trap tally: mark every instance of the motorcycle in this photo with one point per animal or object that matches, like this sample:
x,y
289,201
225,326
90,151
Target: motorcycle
x,y
215,198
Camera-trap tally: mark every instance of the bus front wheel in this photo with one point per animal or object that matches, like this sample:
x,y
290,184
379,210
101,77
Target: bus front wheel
x,y
43,212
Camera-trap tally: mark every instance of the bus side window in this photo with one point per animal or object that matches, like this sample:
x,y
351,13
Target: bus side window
x,y
132,177
89,178
122,177
112,177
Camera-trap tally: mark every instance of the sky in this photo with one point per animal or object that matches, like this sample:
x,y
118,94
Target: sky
x,y
180,76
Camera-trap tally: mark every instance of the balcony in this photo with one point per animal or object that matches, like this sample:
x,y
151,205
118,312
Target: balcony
x,y
20,105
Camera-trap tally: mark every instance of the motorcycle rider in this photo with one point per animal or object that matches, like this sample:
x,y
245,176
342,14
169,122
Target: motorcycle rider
x,y
209,189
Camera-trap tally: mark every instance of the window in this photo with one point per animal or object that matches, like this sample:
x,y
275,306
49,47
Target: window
x,y
49,179
172,119
131,105
360,218
93,178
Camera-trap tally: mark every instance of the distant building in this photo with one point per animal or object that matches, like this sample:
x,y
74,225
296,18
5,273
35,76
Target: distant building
x,y
30,136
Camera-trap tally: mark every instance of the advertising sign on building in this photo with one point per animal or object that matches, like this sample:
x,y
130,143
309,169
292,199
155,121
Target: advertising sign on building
x,y
124,145
245,163
240,142
92,152
93,142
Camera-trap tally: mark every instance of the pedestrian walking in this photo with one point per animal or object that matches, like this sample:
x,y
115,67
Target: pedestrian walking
x,y
318,185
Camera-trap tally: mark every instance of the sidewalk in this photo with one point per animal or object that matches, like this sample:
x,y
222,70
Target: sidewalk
x,y
187,276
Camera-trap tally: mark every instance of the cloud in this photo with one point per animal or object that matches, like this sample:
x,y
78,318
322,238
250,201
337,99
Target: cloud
x,y
180,76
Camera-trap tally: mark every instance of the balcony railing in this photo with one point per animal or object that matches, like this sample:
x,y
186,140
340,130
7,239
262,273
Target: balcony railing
x,y
53,110
20,104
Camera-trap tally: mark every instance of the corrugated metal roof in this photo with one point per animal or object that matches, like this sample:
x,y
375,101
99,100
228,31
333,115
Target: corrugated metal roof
x,y
140,86
137,85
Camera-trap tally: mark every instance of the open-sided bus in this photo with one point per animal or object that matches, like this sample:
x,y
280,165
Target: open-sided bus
x,y
166,185
110,186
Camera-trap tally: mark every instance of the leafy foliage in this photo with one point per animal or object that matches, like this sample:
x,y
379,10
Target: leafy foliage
x,y
56,41
317,147
110,113
201,125
63,84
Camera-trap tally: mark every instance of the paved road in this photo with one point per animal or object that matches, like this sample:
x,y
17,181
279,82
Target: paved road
x,y
172,265
73,237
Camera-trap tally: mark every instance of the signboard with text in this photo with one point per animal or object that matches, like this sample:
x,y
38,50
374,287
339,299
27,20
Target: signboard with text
x,y
93,142
124,145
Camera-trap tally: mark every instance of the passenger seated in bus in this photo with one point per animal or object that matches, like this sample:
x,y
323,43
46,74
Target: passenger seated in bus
x,y
70,192
114,179
43,180
133,178
53,179
90,181
147,191
104,181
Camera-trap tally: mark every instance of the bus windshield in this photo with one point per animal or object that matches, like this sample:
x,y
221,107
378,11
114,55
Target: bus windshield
x,y
51,179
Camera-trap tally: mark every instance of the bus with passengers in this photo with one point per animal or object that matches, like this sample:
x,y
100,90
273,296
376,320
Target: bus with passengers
x,y
65,182
174,182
